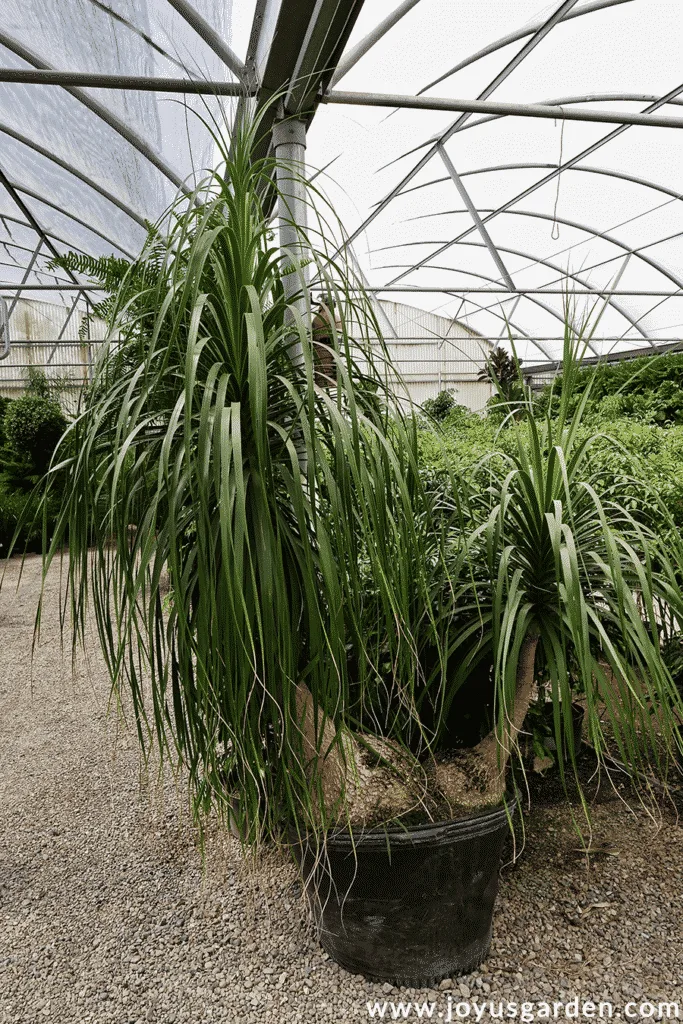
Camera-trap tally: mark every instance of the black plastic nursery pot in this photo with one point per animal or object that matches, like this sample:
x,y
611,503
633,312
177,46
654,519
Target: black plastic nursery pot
x,y
410,906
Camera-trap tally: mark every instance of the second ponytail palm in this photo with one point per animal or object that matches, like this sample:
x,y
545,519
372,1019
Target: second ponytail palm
x,y
563,581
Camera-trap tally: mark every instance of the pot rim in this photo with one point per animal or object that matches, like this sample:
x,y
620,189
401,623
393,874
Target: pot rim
x,y
379,837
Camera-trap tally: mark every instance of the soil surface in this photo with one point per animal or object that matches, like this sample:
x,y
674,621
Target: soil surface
x,y
108,913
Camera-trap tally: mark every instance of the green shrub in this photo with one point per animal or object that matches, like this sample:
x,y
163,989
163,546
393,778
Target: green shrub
x,y
4,406
17,506
30,428
649,452
672,652
649,389
33,424
438,408
463,438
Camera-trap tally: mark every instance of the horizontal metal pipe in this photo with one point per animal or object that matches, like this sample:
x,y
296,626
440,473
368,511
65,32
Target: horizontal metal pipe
x,y
62,342
519,337
464,290
395,289
88,80
376,99
85,79
66,287
436,340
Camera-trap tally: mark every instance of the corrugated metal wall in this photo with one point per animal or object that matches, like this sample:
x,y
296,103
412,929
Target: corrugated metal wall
x,y
46,335
431,353
434,353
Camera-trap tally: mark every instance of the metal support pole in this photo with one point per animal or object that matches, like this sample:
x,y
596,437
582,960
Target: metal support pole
x,y
474,214
289,144
63,328
4,329
27,274
554,113
352,58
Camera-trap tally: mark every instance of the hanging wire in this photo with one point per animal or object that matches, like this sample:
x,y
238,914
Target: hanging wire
x,y
555,230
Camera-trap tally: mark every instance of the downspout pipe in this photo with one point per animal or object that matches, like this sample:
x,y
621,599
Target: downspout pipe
x,y
4,329
289,145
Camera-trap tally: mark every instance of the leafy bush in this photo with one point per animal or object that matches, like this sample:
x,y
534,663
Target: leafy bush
x,y
4,406
568,557
30,428
462,440
651,453
21,508
439,408
33,425
649,389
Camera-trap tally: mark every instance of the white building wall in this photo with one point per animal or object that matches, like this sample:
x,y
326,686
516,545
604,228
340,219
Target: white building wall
x,y
434,353
431,353
34,329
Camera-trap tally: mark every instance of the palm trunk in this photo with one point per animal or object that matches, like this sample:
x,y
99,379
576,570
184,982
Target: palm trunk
x,y
476,777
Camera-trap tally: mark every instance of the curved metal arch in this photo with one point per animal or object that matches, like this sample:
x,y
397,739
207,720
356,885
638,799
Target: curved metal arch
x,y
566,101
513,37
15,266
541,166
48,234
208,34
545,166
72,216
53,157
538,36
635,324
350,59
70,169
531,298
560,220
564,273
460,293
8,243
568,223
546,262
615,133
499,316
100,111
143,35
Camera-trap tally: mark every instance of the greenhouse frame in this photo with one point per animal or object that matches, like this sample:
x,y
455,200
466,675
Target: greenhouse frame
x,y
105,111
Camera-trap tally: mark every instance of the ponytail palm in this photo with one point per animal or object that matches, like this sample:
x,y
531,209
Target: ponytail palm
x,y
225,513
564,580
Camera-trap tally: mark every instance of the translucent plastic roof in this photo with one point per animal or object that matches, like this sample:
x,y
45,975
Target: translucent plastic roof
x,y
460,212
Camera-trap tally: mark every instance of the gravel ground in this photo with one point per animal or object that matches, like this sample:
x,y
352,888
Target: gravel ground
x,y
107,912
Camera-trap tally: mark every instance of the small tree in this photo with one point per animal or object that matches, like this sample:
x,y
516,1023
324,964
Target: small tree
x,y
281,508
441,405
502,370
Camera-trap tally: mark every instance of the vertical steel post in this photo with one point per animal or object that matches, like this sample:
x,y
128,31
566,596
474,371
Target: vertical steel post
x,y
289,144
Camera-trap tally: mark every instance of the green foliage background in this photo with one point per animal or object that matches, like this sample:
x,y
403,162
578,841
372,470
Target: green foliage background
x,y
639,403
30,428
649,389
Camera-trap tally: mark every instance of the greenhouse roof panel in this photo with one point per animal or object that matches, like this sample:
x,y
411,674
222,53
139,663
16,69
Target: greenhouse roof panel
x,y
476,213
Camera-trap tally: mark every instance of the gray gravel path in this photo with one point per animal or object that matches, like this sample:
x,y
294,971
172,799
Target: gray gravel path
x,y
107,913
